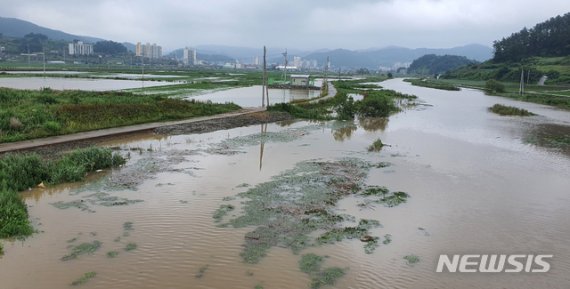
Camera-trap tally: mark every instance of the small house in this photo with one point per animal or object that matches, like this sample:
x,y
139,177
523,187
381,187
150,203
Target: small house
x,y
299,80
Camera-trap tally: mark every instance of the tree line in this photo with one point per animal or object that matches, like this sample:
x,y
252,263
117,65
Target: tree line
x,y
549,38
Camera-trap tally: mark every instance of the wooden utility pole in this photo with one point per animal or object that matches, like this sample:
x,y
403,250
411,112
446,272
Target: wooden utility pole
x,y
521,85
264,80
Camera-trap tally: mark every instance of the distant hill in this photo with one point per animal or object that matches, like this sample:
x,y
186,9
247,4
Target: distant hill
x,y
550,38
432,64
390,56
17,28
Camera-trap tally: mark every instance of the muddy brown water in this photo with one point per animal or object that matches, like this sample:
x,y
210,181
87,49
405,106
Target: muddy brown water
x,y
251,96
476,187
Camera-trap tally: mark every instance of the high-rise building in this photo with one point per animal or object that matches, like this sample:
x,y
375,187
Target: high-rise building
x,y
189,56
297,61
80,48
148,50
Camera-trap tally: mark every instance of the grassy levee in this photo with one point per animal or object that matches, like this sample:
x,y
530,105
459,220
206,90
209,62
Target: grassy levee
x,y
19,172
554,95
555,92
27,114
431,84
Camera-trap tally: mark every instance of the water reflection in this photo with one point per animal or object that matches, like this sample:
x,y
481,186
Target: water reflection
x,y
262,144
372,124
344,131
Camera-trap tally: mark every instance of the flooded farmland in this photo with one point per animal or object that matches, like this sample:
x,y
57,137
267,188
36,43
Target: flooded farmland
x,y
193,211
57,83
251,96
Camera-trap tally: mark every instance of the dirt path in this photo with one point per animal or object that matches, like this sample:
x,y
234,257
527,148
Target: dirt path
x,y
102,133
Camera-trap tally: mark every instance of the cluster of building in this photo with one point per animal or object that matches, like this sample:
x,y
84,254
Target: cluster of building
x,y
78,48
189,56
148,50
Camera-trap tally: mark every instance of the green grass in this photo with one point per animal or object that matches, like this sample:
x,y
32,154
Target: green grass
x,y
27,114
84,279
509,110
19,172
432,84
112,254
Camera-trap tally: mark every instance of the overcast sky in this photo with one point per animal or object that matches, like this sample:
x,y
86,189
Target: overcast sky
x,y
307,24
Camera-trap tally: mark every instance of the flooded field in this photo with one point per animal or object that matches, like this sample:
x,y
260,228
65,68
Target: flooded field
x,y
194,211
76,83
251,96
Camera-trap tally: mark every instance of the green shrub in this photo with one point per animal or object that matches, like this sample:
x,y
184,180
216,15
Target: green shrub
x,y
493,86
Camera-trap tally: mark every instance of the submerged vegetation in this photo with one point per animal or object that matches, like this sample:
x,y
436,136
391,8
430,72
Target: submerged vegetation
x,y
311,264
27,114
411,259
288,210
432,84
19,172
509,110
82,249
84,279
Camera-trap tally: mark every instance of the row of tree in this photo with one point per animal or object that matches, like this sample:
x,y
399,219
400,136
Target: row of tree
x,y
549,38
37,42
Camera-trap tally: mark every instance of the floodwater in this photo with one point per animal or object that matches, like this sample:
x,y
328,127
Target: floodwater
x,y
476,187
56,83
251,96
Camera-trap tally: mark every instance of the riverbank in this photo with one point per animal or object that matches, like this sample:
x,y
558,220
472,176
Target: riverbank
x,y
553,95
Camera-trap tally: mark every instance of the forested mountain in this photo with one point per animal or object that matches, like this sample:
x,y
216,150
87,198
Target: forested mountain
x,y
435,64
549,38
12,27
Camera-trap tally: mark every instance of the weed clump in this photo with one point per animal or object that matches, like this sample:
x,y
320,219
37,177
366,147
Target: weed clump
x,y
376,146
327,277
84,279
311,263
222,211
509,110
411,259
202,271
112,254
130,247
383,196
